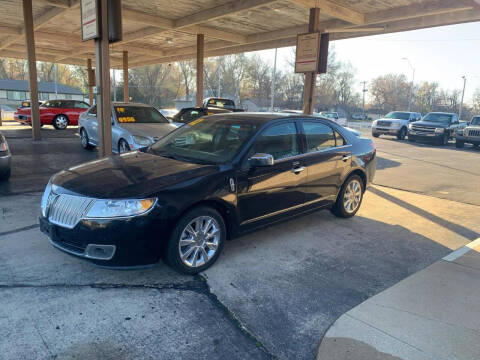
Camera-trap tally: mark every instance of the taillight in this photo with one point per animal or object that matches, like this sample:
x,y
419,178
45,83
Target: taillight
x,y
373,145
3,146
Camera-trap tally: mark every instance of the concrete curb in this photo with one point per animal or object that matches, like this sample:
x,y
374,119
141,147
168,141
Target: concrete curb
x,y
428,315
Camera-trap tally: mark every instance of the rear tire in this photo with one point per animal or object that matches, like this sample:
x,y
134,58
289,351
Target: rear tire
x,y
402,134
459,144
184,253
60,122
85,140
349,198
375,135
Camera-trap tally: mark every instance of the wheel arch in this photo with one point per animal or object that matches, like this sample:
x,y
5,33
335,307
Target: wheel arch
x,y
225,210
361,173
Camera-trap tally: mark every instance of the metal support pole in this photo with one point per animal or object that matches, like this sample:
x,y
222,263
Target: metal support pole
x,y
126,95
310,77
55,76
200,54
102,74
274,74
90,81
32,69
463,94
114,85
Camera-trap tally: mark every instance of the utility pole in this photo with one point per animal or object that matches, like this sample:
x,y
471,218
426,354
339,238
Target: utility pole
x,y
463,94
272,97
413,80
363,101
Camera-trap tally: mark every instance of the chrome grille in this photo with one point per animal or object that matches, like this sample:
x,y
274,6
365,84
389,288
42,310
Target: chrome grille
x,y
423,128
473,132
384,123
67,210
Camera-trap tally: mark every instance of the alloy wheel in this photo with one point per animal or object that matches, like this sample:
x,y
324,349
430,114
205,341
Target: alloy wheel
x,y
61,121
123,147
84,138
199,241
352,196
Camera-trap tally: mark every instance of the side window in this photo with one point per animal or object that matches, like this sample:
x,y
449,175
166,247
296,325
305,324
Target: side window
x,y
190,115
319,136
93,110
81,105
339,140
280,141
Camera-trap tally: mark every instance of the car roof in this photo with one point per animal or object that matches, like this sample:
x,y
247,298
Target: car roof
x,y
262,117
441,112
130,104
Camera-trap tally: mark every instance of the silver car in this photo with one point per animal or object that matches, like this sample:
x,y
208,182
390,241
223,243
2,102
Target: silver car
x,y
5,159
134,126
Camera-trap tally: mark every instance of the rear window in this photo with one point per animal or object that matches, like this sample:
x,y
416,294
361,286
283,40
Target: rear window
x,y
139,114
398,115
224,103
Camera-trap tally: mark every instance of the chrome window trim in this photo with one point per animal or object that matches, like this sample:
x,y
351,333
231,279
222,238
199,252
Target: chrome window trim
x,y
312,153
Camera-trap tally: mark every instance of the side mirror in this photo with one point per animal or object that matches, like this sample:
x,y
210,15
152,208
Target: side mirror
x,y
261,160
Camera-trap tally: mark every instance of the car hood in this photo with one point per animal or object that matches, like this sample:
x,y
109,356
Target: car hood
x,y
149,130
431,124
131,175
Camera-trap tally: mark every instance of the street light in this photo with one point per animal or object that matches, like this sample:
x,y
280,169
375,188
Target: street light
x,y
411,87
463,94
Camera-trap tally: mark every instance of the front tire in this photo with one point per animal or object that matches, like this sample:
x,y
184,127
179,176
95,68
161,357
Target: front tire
x,y
85,140
411,138
459,144
349,198
196,241
402,134
60,122
123,146
443,141
5,175
375,135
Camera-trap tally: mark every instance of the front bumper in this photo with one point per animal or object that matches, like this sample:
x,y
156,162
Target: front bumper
x,y
5,161
468,139
135,241
386,131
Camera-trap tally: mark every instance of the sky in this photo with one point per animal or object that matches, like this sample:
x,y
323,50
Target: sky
x,y
442,54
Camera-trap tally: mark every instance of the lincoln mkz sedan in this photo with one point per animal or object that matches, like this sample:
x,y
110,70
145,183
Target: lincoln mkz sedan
x,y
208,181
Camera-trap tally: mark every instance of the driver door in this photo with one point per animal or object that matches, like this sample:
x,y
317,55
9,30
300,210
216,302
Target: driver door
x,y
271,190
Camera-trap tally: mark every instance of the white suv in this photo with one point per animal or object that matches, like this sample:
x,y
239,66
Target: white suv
x,y
395,123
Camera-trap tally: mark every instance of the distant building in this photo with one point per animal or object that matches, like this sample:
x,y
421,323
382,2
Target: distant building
x,y
15,91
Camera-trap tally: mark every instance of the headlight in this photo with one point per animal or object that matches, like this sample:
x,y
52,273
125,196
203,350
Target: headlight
x,y
142,141
410,126
46,194
119,208
439,130
374,123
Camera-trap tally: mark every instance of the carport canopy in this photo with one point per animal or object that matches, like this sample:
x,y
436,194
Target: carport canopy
x,y
159,31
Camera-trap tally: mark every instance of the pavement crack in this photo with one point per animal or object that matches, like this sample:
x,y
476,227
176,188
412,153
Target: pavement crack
x,y
198,285
14,231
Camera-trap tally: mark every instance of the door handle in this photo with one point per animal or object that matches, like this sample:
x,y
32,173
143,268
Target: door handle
x,y
346,157
298,170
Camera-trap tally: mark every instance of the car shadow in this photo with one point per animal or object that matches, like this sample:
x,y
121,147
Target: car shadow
x,y
384,163
456,228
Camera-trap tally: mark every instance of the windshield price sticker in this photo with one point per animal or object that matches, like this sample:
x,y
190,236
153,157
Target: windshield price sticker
x,y
126,119
195,122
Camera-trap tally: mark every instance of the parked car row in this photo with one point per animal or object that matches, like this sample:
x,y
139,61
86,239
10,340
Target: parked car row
x,y
437,127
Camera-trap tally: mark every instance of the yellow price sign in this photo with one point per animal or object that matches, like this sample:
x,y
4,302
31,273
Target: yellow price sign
x,y
120,109
195,122
126,119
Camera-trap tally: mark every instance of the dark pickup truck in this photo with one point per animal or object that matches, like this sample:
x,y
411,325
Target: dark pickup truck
x,y
438,127
210,106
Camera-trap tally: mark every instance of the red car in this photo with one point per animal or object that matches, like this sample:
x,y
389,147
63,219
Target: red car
x,y
59,113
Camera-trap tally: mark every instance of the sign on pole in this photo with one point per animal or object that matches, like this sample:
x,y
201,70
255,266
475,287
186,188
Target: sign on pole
x,y
89,13
308,47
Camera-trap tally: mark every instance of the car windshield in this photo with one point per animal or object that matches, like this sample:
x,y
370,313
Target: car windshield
x,y
139,114
475,121
224,103
206,140
398,115
438,118
330,115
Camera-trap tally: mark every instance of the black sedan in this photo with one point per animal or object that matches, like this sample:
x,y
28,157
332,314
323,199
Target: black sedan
x,y
5,159
206,182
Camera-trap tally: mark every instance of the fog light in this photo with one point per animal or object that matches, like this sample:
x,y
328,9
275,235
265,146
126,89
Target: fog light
x,y
100,252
